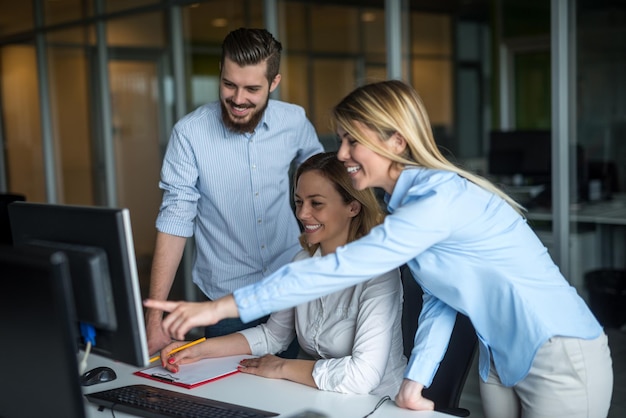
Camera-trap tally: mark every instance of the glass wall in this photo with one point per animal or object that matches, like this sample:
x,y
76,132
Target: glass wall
x,y
85,154
16,18
19,89
69,54
137,73
329,50
601,124
595,207
432,66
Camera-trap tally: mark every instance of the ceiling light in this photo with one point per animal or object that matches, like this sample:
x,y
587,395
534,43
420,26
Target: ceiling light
x,y
220,22
368,17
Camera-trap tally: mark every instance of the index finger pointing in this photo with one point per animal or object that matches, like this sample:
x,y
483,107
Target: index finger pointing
x,y
162,305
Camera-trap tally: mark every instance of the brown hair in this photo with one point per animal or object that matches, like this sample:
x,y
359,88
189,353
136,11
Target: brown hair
x,y
247,46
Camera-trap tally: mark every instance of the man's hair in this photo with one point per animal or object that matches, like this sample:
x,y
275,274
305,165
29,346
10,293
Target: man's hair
x,y
247,46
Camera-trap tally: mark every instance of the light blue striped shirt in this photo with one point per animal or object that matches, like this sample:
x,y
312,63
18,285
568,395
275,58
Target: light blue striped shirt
x,y
471,253
231,191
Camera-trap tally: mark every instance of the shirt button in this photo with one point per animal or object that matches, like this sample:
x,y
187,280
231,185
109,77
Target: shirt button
x,y
254,166
259,221
262,247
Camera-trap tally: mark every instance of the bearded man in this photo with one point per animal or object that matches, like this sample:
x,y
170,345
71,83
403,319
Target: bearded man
x,y
225,181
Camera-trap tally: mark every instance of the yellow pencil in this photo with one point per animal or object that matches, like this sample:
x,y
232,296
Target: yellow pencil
x,y
182,347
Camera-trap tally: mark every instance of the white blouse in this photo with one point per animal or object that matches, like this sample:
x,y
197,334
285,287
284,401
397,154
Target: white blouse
x,y
354,334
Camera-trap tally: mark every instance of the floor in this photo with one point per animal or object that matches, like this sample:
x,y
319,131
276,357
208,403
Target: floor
x,y
470,398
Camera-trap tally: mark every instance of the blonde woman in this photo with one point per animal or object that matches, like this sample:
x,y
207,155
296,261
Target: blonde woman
x,y
542,353
352,339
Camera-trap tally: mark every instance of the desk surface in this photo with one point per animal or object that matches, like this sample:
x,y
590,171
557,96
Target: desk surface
x,y
609,212
280,396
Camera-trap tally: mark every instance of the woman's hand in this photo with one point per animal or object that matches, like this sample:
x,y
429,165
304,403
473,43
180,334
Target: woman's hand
x,y
267,366
185,356
183,316
410,397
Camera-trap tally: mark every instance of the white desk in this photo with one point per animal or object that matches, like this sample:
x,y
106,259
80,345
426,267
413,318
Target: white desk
x,y
280,396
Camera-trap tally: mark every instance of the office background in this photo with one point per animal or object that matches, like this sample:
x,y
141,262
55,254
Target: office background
x,y
90,89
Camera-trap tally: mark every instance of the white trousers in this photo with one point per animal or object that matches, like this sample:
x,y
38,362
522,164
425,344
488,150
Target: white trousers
x,y
569,377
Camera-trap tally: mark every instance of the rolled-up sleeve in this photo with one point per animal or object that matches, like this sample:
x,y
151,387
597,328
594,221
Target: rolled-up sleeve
x,y
179,176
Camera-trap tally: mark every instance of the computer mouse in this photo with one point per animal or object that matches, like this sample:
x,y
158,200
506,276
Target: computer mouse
x,y
97,375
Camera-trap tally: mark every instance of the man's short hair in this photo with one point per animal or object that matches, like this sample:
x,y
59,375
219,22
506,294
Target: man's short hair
x,y
247,46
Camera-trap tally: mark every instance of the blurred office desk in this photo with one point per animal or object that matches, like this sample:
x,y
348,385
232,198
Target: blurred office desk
x,y
279,396
606,212
607,216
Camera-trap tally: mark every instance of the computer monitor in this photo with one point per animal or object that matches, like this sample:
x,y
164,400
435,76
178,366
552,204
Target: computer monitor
x,y
107,229
6,238
91,282
40,368
521,152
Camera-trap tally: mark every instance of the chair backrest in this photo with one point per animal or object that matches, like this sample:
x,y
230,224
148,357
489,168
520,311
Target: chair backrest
x,y
447,386
5,226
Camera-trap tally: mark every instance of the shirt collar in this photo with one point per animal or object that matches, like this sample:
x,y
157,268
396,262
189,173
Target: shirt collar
x,y
268,116
403,184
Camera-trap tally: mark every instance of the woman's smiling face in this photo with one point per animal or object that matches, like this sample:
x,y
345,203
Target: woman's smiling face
x,y
322,211
366,167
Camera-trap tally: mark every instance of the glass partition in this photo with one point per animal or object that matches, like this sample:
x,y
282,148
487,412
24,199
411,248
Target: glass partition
x,y
69,79
19,89
330,49
15,17
62,11
601,129
431,73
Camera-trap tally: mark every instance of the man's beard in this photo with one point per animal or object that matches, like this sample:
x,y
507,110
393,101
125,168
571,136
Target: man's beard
x,y
245,127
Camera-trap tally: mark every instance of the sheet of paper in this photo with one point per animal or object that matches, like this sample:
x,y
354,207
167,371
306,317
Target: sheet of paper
x,y
195,374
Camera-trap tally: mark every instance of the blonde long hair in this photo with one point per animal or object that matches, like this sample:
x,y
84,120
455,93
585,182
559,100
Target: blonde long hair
x,y
370,215
390,107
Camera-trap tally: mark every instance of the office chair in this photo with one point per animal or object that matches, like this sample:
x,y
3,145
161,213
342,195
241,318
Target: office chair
x,y
6,237
445,390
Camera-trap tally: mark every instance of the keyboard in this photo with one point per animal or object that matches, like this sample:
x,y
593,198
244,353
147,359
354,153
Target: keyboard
x,y
153,402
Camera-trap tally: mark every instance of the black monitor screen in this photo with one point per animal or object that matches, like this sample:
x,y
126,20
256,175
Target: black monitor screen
x,y
5,227
91,283
40,367
525,152
107,229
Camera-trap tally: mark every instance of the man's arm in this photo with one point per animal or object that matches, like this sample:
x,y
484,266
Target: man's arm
x,y
186,315
167,255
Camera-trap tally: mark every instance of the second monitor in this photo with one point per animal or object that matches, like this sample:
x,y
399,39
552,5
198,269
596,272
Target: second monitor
x,y
94,228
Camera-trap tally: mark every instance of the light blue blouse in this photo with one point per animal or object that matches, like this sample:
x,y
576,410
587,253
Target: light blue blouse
x,y
471,252
232,192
